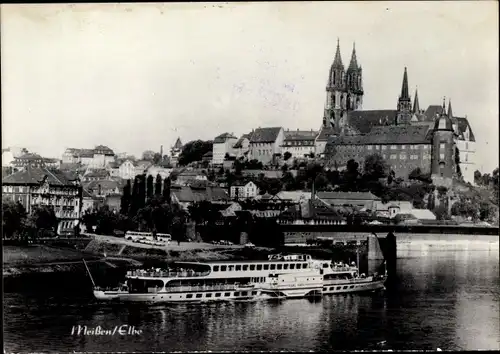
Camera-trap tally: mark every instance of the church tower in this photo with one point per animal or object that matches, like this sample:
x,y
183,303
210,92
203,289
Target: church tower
x,y
404,112
344,92
443,147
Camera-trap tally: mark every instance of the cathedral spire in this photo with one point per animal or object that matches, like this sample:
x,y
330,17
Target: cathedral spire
x,y
337,62
353,65
450,112
416,105
404,89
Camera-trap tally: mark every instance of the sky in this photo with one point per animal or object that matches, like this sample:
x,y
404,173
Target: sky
x,y
137,76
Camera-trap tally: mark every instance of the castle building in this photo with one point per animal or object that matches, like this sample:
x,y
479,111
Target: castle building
x,y
223,144
407,137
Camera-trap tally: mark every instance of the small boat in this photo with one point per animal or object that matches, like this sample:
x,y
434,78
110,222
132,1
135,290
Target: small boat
x,y
293,285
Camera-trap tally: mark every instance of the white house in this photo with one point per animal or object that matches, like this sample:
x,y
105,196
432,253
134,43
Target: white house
x,y
266,143
223,144
466,144
299,143
129,169
243,191
158,170
9,154
99,157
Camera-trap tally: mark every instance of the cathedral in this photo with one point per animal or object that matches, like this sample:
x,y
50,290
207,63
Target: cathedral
x,y
434,140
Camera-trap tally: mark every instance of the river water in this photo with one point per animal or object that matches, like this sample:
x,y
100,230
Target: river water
x,y
447,299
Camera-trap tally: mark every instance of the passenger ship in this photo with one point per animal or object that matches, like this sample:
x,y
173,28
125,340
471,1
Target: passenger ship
x,y
279,276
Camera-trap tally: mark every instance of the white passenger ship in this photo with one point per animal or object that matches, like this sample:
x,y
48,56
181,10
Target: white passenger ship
x,y
279,276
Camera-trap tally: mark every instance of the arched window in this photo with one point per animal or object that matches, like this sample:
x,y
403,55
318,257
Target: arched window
x,y
334,78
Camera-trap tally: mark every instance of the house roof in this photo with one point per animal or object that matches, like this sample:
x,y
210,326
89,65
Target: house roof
x,y
106,184
364,121
208,154
266,173
265,135
98,173
29,156
83,153
325,134
293,195
293,135
463,123
103,150
395,134
70,166
35,175
239,143
113,164
432,112
186,194
347,195
178,144
223,137
423,214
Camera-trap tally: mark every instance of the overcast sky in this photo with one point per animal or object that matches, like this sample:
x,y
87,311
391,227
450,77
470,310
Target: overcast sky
x,y
134,77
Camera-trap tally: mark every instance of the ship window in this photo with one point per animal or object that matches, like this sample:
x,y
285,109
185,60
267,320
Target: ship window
x,y
217,294
297,266
280,266
189,296
345,287
245,267
338,287
331,287
254,293
236,293
198,295
259,266
230,268
238,267
273,266
243,293
292,266
208,295
325,265
266,266
216,268
304,265
223,268
252,267
285,266
227,294
352,286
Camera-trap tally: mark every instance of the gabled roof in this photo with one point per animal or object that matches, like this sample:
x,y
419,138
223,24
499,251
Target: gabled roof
x,y
35,175
396,134
463,123
239,143
325,134
432,112
364,121
347,195
103,150
98,173
178,144
223,137
187,194
265,135
106,184
293,135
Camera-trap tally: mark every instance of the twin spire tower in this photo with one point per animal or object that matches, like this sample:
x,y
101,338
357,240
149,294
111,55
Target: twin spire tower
x,y
344,91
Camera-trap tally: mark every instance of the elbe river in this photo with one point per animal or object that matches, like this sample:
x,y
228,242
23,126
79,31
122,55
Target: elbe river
x,y
448,300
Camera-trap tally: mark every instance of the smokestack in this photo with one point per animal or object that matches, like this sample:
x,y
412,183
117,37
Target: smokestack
x,y
161,151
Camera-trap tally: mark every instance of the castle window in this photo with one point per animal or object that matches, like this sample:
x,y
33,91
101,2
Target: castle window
x,y
393,147
394,156
384,147
441,146
369,147
402,156
466,158
441,156
403,147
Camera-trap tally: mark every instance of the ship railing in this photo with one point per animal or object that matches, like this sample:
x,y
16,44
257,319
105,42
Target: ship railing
x,y
220,287
343,269
166,274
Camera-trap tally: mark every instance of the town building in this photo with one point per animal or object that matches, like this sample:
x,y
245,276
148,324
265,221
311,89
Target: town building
x,y
243,190
242,146
9,154
359,200
222,145
39,186
406,137
99,157
266,143
300,144
187,177
95,175
33,160
188,195
175,152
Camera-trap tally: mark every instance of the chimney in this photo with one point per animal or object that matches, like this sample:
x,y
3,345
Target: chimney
x,y
161,151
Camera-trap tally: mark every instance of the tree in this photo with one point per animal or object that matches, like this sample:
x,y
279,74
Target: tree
x,y
13,217
157,158
166,190
141,198
477,177
43,217
457,163
441,212
134,200
194,151
126,198
149,186
375,167
148,155
158,184
287,155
